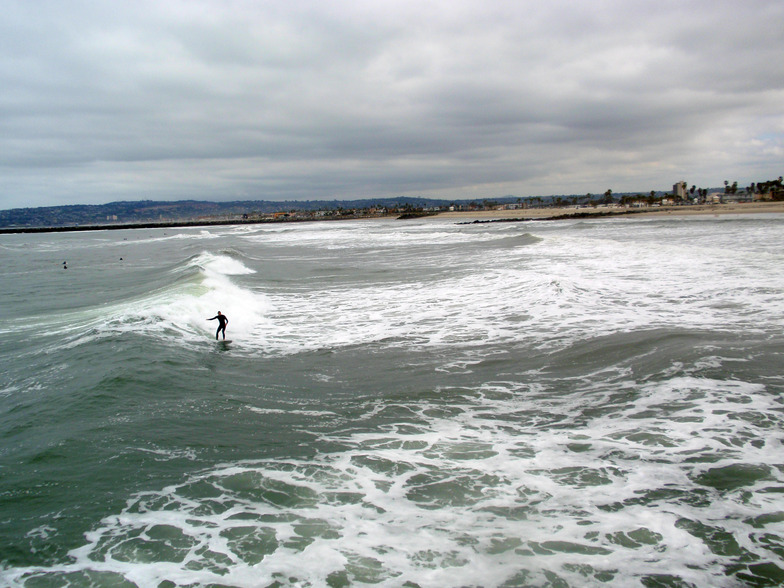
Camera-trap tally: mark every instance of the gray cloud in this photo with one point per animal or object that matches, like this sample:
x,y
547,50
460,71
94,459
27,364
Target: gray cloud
x,y
210,99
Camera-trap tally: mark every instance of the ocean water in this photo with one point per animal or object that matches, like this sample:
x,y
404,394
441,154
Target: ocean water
x,y
402,403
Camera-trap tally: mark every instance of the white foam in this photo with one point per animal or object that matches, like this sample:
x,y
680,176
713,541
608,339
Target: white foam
x,y
180,311
530,476
563,288
315,413
370,235
221,265
547,290
435,498
515,477
169,454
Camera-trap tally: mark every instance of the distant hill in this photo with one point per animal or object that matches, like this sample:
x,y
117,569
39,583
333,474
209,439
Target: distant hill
x,y
146,211
149,211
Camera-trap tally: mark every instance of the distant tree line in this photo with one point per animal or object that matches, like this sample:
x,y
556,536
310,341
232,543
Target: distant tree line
x,y
773,188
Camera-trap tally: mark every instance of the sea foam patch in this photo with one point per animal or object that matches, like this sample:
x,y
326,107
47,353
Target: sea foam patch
x,y
611,482
378,235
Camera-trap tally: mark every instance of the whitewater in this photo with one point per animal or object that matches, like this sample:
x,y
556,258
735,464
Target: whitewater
x,y
584,402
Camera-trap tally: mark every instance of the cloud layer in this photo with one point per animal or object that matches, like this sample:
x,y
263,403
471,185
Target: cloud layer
x,y
213,99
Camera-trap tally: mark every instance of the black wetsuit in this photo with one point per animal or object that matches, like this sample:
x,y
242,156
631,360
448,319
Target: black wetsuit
x,y
222,322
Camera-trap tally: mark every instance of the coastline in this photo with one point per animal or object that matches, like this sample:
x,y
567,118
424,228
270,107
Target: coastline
x,y
477,216
154,225
562,213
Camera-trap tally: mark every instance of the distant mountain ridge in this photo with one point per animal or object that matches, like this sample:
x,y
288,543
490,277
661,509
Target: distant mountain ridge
x,y
145,211
153,211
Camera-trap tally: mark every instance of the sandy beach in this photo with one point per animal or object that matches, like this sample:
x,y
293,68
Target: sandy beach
x,y
538,213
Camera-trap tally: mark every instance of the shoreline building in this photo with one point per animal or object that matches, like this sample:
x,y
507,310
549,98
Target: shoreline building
x,y
679,190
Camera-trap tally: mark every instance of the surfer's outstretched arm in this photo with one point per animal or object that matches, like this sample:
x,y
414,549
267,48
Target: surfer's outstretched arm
x,y
222,322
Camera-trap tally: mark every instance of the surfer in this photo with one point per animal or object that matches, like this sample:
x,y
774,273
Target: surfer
x,y
222,322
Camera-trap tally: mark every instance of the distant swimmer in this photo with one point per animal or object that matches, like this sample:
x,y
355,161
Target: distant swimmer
x,y
222,322
65,266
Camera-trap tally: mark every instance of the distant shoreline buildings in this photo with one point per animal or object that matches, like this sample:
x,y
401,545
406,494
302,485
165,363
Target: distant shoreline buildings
x,y
144,214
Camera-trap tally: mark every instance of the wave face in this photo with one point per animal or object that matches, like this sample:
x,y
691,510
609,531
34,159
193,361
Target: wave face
x,y
567,403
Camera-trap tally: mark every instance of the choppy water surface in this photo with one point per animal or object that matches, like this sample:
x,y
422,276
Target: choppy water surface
x,y
571,403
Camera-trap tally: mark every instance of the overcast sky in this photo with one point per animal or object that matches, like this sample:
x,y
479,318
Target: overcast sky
x,y
109,100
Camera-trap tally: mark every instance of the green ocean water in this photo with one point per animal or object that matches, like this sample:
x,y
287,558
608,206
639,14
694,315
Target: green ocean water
x,y
569,403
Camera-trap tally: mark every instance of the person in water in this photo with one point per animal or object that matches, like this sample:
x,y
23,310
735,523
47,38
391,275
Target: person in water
x,y
222,322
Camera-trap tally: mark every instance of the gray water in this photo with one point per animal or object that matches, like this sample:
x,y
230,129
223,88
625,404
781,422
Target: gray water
x,y
569,403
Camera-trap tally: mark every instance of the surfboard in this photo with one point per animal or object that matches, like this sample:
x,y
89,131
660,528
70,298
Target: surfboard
x,y
224,340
